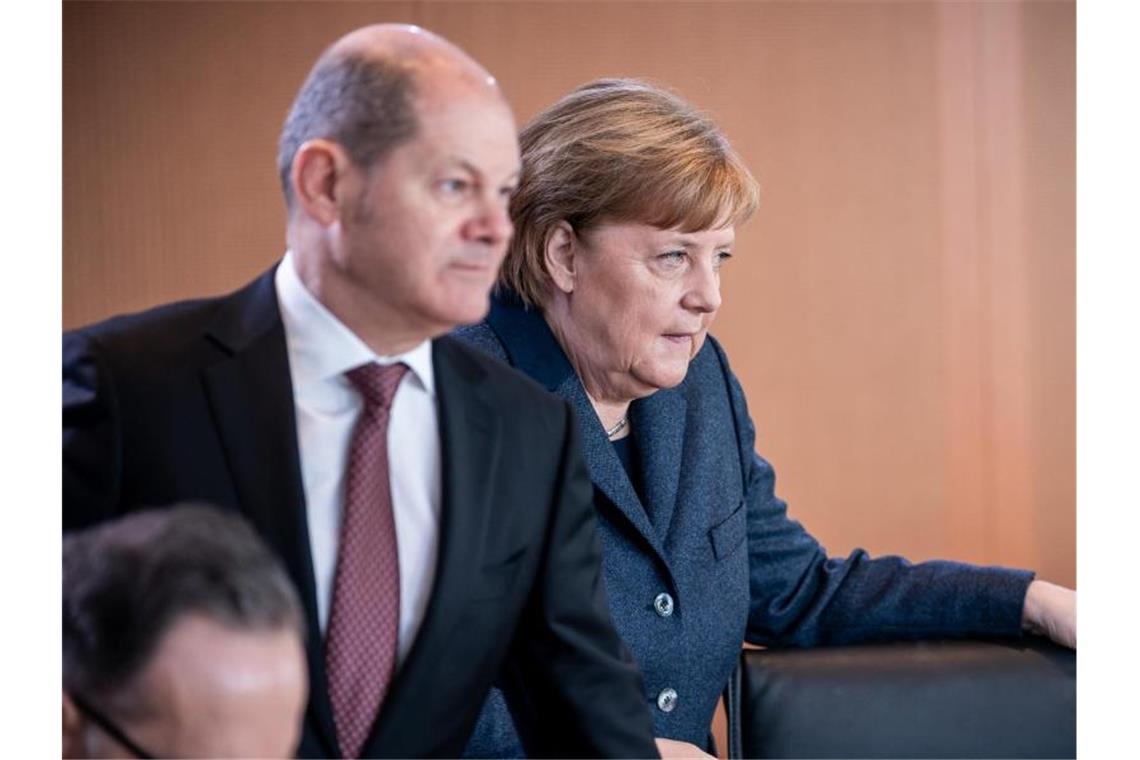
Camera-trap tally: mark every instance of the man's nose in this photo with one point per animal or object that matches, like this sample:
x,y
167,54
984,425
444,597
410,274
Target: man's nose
x,y
491,223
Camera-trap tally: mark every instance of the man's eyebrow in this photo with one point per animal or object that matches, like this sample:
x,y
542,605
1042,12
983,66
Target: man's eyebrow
x,y
462,163
476,171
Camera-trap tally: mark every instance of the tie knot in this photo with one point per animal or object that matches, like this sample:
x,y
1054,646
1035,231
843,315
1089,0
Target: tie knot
x,y
377,383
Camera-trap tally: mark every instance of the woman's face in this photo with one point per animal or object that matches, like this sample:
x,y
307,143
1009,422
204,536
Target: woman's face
x,y
641,303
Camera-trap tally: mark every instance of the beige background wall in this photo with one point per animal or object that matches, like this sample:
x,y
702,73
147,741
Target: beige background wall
x,y
900,312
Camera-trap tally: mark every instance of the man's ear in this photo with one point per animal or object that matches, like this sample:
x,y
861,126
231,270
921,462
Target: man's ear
x,y
560,256
320,175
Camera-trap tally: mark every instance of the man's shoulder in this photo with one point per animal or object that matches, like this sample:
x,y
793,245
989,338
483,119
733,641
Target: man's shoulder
x,y
507,386
164,333
169,319
482,337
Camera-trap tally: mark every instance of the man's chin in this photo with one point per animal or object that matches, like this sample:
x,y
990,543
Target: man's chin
x,y
469,311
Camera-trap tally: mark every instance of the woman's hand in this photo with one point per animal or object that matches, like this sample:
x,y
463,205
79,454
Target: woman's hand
x,y
671,748
1050,610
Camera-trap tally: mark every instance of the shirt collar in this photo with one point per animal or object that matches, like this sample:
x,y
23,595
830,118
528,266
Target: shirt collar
x,y
321,347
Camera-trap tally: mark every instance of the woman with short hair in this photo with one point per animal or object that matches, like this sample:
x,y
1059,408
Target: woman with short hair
x,y
626,211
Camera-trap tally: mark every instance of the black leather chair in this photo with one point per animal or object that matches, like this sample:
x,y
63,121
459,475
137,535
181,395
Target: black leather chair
x,y
911,699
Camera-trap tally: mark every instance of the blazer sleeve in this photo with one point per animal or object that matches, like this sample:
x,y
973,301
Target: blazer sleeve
x,y
801,597
569,681
91,435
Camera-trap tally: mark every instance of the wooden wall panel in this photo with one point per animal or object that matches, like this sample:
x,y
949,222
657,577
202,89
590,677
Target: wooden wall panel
x,y
900,312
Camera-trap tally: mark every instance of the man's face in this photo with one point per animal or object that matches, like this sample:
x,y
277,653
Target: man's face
x,y
426,233
212,691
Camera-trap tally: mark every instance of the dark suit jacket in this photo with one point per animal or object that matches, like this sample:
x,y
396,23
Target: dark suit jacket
x,y
709,530
193,401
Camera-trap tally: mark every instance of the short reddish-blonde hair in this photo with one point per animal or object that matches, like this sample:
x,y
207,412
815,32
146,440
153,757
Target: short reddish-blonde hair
x,y
620,150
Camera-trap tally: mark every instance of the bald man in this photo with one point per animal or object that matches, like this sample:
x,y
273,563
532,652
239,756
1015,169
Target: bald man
x,y
429,503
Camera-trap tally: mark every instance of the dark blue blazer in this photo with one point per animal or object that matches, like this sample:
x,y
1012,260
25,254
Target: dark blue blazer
x,y
712,534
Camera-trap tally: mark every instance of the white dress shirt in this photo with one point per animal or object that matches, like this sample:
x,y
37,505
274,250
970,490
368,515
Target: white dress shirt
x,y
321,349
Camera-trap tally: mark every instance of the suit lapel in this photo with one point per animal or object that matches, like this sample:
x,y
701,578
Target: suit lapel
x,y
470,451
251,396
532,348
660,418
602,461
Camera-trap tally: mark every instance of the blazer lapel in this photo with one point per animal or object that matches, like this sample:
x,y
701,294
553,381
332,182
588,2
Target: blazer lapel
x,y
660,418
251,396
605,468
470,451
532,348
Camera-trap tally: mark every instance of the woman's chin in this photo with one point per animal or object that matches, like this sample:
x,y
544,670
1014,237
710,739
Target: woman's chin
x,y
663,374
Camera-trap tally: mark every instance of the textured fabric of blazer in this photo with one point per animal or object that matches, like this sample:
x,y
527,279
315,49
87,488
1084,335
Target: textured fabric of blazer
x,y
193,401
714,537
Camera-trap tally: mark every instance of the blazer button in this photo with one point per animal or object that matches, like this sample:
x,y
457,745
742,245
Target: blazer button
x,y
663,604
667,700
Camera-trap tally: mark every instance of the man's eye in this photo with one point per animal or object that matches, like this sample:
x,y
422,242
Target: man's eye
x,y
454,186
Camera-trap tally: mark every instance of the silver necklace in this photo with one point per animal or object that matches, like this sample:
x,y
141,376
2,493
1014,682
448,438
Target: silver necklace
x,y
618,427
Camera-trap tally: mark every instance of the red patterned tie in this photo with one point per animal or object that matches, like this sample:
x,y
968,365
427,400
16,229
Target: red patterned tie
x,y
360,646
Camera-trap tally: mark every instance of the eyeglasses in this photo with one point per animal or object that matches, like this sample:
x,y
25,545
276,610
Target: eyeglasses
x,y
110,728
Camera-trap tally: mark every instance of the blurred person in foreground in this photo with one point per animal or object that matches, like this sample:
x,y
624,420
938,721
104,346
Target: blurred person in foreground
x,y
625,216
182,637
430,504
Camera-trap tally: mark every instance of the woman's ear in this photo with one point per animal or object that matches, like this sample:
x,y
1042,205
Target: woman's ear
x,y
319,176
561,248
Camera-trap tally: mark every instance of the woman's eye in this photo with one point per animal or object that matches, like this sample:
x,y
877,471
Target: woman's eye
x,y
721,258
672,258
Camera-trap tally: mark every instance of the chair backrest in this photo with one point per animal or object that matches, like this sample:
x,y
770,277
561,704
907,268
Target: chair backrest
x,y
910,699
